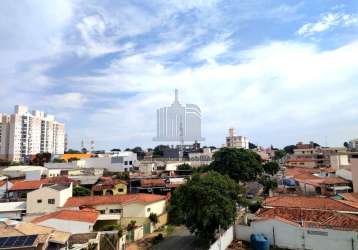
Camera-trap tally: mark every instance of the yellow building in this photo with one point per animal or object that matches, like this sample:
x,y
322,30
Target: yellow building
x,y
79,156
110,187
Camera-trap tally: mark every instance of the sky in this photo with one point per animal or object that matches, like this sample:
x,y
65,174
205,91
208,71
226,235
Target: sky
x,y
278,71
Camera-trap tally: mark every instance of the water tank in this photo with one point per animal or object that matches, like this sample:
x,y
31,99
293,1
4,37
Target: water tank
x,y
289,182
259,242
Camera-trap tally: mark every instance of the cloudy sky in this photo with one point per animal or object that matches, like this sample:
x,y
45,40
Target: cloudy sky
x,y
278,71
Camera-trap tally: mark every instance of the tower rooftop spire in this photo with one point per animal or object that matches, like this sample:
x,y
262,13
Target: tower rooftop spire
x,y
176,99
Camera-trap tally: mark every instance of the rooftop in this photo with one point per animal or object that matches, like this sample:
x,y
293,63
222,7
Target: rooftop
x,y
72,215
312,218
115,199
308,202
12,206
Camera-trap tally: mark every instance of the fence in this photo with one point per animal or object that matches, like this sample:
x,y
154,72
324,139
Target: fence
x,y
224,241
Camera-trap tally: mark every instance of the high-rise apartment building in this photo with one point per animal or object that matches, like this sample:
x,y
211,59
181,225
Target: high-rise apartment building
x,y
26,133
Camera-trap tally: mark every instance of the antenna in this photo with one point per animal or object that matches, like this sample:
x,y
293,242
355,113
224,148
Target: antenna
x,y
82,143
181,140
92,145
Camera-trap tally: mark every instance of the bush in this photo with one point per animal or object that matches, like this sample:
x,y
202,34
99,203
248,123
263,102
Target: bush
x,y
157,239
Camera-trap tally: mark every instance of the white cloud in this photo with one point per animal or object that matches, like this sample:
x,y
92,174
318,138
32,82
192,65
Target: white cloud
x,y
71,100
327,22
210,51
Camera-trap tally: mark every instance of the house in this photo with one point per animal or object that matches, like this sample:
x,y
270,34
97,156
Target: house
x,y
125,208
73,221
21,232
23,170
309,202
13,210
20,189
299,228
5,185
48,198
109,186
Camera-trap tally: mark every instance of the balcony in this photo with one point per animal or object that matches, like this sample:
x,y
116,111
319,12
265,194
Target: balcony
x,y
109,217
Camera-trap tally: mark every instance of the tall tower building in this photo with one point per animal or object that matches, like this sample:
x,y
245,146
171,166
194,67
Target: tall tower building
x,y
29,133
179,123
234,141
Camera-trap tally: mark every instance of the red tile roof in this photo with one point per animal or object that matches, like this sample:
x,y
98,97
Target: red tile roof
x,y
312,218
36,184
292,172
115,199
107,183
73,215
334,180
28,185
152,182
350,196
306,202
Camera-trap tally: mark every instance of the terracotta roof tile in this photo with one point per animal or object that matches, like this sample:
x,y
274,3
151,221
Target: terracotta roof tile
x,y
350,196
73,215
28,185
114,199
312,218
308,203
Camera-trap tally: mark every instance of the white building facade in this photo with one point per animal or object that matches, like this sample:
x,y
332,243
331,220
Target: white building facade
x,y
234,141
26,133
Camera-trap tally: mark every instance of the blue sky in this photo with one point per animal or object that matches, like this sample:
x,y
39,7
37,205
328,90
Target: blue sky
x,y
277,71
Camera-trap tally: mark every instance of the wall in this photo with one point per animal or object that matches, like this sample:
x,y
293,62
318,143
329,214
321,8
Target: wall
x,y
73,227
43,194
289,236
156,207
354,169
224,241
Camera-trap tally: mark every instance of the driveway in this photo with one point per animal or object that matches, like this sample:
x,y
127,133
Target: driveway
x,y
180,239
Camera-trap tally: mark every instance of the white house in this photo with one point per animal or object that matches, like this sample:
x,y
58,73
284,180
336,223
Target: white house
x,y
72,221
12,210
48,198
128,207
4,186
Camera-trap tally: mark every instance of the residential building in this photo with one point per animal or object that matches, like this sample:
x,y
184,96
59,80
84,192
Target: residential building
x,y
123,208
179,123
109,186
73,221
4,136
234,141
198,159
26,133
13,210
299,228
24,170
353,145
48,198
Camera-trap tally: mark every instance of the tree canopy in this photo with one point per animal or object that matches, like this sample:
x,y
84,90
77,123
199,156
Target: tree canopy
x,y
279,154
184,166
289,149
205,204
80,191
271,167
159,150
239,164
139,151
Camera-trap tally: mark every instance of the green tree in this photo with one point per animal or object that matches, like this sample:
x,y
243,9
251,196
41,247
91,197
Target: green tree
x,y
84,151
72,151
205,204
252,146
268,183
289,149
159,150
271,167
153,217
41,158
279,154
239,164
139,151
80,191
185,166
57,160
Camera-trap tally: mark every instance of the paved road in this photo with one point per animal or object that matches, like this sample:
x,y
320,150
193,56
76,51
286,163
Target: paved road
x,y
181,239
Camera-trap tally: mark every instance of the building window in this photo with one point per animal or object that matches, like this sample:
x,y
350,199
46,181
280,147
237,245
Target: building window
x,y
148,209
115,211
126,163
39,201
130,162
51,201
102,211
120,190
